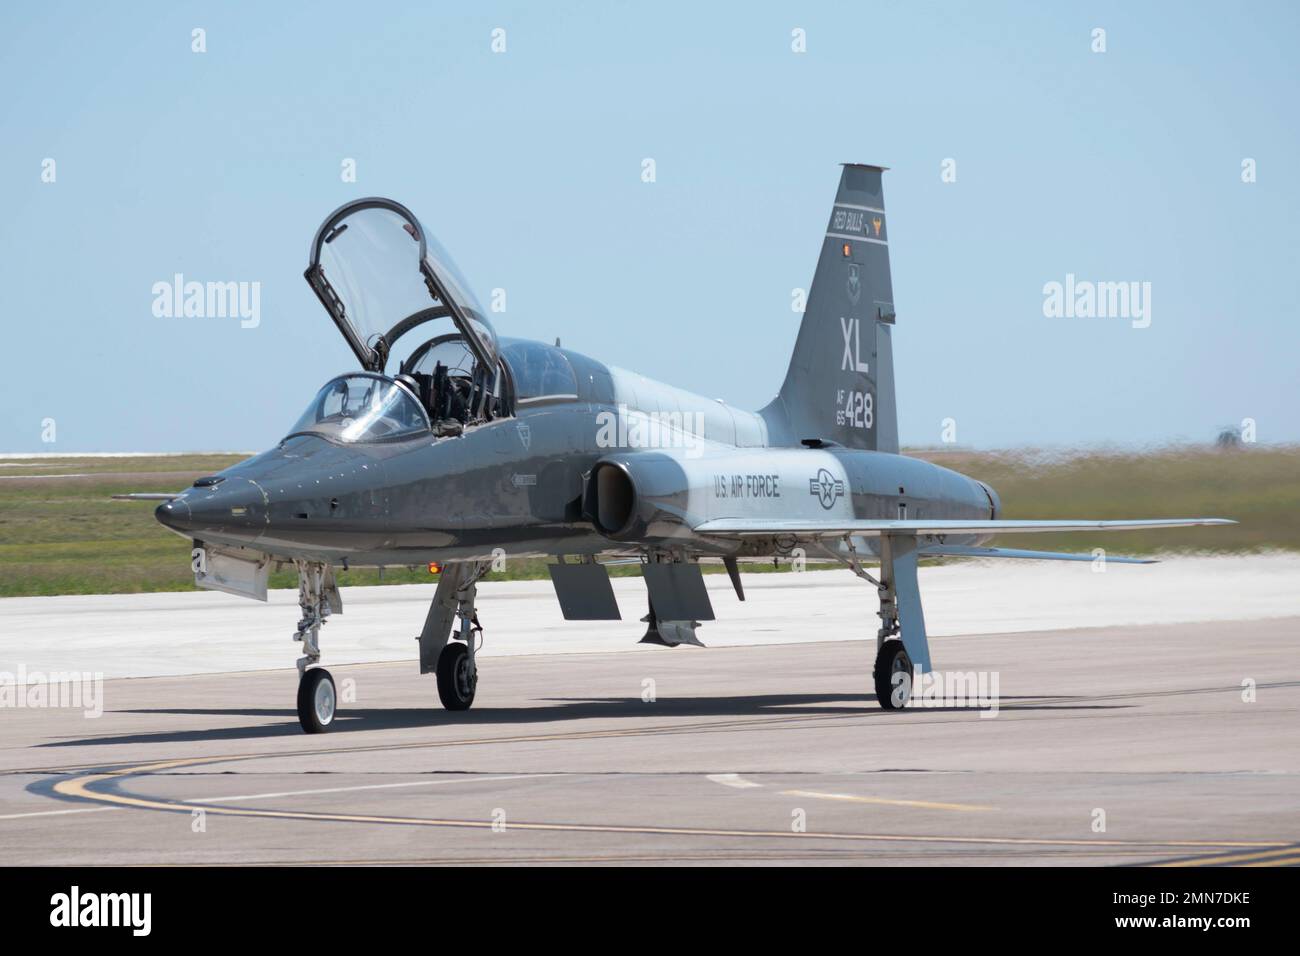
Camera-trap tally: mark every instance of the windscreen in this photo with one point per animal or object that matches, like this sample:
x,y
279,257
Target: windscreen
x,y
360,408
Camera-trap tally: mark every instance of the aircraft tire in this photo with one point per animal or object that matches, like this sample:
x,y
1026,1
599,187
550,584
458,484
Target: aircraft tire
x,y
891,659
317,700
455,686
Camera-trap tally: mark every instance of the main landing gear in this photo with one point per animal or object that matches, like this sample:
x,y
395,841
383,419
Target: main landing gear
x,y
450,656
892,674
895,667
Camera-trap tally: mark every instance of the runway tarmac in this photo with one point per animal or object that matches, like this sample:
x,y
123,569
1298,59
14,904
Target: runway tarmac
x,y
198,632
752,753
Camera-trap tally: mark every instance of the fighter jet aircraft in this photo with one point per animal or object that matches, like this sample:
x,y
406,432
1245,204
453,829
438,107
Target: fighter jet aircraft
x,y
452,447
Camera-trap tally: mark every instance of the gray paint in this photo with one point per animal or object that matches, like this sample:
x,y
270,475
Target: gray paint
x,y
534,479
518,483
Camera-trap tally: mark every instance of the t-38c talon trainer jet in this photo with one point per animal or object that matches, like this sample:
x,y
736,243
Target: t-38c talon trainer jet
x,y
451,445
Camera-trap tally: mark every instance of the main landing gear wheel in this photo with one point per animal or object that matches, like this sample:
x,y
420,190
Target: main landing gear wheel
x,y
892,692
456,678
317,700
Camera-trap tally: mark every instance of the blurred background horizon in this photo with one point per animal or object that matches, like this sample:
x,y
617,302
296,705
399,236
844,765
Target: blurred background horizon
x,y
1116,166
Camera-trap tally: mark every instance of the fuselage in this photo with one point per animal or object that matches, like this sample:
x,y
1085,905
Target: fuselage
x,y
516,485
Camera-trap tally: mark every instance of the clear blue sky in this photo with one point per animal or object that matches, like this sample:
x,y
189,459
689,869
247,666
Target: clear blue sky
x,y
1118,166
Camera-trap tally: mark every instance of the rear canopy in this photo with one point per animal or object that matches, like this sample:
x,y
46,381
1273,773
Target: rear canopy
x,y
379,274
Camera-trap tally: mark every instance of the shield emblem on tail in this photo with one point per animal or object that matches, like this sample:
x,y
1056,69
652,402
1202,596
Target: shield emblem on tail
x,y
855,282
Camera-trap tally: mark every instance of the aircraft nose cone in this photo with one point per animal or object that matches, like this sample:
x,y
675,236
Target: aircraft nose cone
x,y
174,514
233,509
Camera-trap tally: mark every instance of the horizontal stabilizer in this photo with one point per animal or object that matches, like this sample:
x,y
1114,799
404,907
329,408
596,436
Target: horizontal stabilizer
x,y
960,551
837,527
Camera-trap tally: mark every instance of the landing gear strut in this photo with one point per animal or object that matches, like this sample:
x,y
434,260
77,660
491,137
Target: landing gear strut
x,y
892,674
894,668
318,597
453,659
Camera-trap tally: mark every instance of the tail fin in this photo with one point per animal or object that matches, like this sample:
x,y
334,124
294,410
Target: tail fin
x,y
840,385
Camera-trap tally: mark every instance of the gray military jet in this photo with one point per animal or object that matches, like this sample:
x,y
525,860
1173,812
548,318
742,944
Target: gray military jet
x,y
452,446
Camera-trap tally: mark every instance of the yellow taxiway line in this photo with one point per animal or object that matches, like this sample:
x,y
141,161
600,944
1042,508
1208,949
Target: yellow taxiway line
x,y
84,788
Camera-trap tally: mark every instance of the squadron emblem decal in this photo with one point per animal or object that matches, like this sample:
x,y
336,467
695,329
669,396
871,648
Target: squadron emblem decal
x,y
826,488
855,282
525,435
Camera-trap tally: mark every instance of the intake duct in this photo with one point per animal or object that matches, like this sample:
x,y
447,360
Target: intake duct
x,y
611,500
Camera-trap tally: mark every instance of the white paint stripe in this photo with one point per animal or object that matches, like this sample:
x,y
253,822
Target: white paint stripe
x,y
845,235
55,813
732,780
849,205
923,804
371,786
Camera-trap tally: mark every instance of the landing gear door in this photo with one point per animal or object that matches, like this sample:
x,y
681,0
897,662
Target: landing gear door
x,y
379,274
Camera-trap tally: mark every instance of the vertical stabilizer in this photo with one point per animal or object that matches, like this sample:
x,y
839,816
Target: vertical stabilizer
x,y
840,384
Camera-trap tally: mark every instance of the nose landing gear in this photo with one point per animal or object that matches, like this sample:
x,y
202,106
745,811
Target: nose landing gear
x,y
318,596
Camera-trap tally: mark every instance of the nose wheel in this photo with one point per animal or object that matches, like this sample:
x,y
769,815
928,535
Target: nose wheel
x,y
457,677
317,700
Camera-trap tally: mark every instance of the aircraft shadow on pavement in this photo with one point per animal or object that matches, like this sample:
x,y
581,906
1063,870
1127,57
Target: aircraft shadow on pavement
x,y
350,719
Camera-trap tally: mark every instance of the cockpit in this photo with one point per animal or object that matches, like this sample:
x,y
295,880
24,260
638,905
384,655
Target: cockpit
x,y
393,290
382,278
363,408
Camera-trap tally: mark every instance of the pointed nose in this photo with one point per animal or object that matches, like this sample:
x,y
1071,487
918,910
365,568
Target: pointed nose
x,y
174,514
233,509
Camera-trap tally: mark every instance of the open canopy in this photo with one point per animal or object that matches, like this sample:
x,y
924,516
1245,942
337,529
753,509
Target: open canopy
x,y
379,275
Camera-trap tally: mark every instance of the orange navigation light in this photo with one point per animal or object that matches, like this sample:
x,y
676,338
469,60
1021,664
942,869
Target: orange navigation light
x,y
848,250
435,567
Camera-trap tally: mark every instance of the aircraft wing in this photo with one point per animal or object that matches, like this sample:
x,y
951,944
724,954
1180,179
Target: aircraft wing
x,y
963,551
869,527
